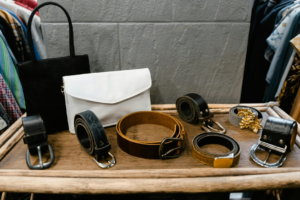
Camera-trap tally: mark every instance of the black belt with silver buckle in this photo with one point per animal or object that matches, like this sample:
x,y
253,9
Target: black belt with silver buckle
x,y
92,137
36,139
278,136
192,108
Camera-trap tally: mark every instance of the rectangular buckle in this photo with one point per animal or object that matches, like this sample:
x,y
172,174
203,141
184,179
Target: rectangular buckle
x,y
161,148
272,147
224,162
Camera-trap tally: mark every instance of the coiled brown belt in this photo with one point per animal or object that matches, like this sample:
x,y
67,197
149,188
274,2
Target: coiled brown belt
x,y
216,160
156,149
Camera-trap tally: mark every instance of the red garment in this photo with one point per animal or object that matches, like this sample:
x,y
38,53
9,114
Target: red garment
x,y
31,3
27,7
8,101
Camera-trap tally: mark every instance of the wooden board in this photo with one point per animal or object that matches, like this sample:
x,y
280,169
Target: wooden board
x,y
70,156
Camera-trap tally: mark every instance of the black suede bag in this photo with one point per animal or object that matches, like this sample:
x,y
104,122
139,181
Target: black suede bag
x,y
42,80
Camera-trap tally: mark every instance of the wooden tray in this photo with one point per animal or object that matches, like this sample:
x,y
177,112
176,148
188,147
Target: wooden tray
x,y
74,171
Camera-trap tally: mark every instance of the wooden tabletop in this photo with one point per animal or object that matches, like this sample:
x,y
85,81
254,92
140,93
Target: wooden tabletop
x,y
74,171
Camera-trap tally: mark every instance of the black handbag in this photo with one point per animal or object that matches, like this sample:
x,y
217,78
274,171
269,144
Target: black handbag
x,y
42,80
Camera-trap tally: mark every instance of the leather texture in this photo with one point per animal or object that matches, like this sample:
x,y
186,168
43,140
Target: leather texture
x,y
215,138
277,129
192,108
236,120
35,134
91,134
42,80
110,95
144,149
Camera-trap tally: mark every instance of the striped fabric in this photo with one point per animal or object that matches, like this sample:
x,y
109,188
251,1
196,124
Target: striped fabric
x,y
9,72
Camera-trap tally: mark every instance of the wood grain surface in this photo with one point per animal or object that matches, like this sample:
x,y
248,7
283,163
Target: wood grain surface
x,y
70,156
134,186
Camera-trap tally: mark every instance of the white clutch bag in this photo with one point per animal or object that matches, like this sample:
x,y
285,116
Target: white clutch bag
x,y
110,95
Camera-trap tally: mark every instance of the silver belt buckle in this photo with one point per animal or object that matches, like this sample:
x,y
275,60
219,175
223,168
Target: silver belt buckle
x,y
107,165
209,128
270,147
41,165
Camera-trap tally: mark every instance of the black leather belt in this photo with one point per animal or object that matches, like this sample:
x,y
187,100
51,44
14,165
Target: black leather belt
x,y
192,108
36,139
92,137
278,136
216,160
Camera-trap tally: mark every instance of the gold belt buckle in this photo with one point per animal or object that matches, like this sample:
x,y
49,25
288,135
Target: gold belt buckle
x,y
224,162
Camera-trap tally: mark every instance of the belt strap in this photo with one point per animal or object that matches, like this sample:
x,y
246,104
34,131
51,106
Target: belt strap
x,y
192,108
235,120
216,160
92,137
155,149
35,137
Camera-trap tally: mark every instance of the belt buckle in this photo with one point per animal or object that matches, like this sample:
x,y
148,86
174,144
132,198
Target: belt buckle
x,y
224,161
107,165
271,147
161,148
208,128
41,165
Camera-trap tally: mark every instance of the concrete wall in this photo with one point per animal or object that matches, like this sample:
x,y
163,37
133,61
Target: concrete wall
x,y
188,45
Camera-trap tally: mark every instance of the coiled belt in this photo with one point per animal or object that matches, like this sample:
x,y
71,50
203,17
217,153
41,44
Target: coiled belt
x,y
216,160
278,136
156,149
235,120
92,137
192,108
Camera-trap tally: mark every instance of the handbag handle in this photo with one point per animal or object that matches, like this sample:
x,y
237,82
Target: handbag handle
x,y
71,36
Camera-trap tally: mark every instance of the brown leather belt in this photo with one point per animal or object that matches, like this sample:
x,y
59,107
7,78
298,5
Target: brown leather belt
x,y
216,160
156,149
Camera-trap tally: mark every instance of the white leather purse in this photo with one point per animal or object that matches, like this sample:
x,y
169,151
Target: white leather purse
x,y
110,95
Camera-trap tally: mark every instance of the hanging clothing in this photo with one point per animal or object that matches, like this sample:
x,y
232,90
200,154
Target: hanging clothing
x,y
285,74
256,66
27,7
270,51
30,3
9,35
290,87
36,25
279,40
27,55
25,31
19,43
281,59
4,120
9,72
8,101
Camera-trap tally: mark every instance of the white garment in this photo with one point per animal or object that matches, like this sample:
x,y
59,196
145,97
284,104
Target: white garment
x,y
36,24
286,72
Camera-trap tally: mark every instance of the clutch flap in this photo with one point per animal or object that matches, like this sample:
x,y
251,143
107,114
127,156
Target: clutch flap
x,y
108,87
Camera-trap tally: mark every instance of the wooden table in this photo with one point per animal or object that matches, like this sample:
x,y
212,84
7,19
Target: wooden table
x,y
74,171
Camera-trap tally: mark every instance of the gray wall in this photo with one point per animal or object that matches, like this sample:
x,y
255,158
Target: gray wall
x,y
188,45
